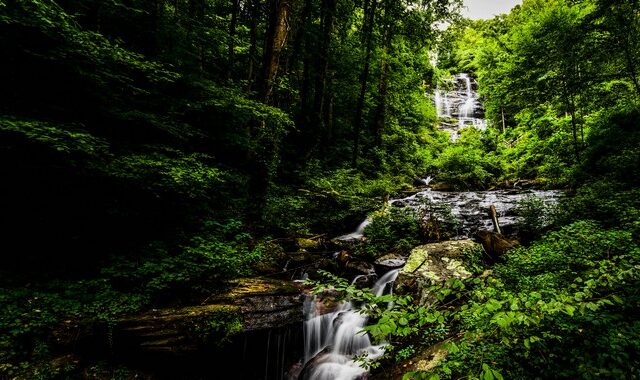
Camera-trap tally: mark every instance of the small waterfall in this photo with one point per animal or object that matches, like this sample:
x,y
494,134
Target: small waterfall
x,y
333,340
357,234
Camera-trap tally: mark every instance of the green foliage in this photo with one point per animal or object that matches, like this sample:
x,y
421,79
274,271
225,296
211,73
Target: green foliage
x,y
217,328
467,164
31,313
332,201
219,251
393,229
553,74
401,228
474,259
191,176
64,139
534,217
565,297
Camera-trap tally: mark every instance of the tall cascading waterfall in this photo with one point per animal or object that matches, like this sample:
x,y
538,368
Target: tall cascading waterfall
x,y
458,105
333,340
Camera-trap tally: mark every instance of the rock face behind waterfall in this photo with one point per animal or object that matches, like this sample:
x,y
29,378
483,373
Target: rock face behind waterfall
x,y
257,321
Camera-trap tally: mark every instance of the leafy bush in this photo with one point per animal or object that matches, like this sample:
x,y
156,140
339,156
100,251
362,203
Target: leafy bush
x,y
571,296
332,202
402,228
30,314
466,165
568,297
393,229
534,217
219,252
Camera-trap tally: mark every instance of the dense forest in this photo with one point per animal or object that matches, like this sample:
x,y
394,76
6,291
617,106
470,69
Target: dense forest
x,y
156,152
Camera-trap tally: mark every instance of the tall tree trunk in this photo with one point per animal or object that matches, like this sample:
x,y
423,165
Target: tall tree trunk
x,y
305,92
631,69
383,84
328,117
235,8
276,39
574,127
358,122
196,13
254,15
327,18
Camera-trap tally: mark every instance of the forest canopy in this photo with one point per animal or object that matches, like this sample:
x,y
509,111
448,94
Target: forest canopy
x,y
152,152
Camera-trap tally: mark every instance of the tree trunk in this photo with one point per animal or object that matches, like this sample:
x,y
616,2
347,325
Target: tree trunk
x,y
574,126
631,69
383,85
367,29
493,214
305,92
253,41
196,12
327,16
235,8
276,40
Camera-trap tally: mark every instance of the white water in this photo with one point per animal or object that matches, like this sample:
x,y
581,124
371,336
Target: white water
x,y
459,107
470,208
333,340
357,234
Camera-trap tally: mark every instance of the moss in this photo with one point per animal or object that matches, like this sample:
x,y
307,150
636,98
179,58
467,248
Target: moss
x,y
218,326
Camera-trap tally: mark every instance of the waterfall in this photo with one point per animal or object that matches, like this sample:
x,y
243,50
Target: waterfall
x,y
333,340
459,107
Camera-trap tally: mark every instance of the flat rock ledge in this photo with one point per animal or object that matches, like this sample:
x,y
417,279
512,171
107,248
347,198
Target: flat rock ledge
x,y
251,304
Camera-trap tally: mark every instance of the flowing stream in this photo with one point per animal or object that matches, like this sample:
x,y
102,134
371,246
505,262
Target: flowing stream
x,y
333,341
470,208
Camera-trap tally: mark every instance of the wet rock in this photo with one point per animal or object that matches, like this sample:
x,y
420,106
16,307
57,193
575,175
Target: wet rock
x,y
421,182
322,264
360,267
432,264
353,264
389,262
365,281
525,184
470,208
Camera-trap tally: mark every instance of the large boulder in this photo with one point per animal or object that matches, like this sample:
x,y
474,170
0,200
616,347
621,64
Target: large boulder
x,y
432,264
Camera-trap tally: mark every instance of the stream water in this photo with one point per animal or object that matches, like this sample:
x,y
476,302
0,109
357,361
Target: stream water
x,y
469,208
